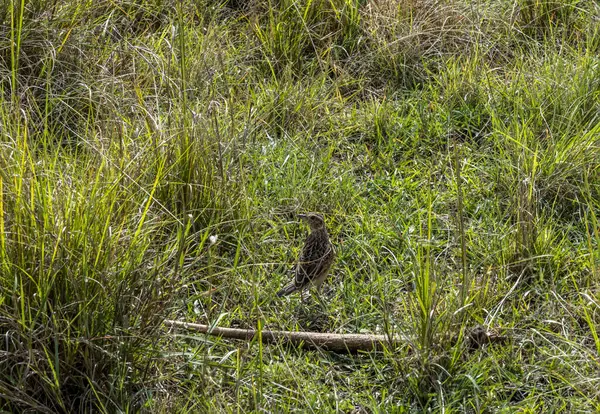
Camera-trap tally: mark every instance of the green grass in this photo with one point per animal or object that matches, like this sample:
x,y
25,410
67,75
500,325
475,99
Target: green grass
x,y
154,159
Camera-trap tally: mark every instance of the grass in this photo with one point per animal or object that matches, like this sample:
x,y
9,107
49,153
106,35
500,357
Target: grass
x,y
155,156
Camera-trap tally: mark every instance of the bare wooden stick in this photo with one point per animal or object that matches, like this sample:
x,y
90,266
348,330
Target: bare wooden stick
x,y
329,341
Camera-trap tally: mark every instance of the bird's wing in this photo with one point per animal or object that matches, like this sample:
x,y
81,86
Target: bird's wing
x,y
311,259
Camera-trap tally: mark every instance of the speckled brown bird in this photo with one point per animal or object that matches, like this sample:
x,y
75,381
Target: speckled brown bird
x,y
316,257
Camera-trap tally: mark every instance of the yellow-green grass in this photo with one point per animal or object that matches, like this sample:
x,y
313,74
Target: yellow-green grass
x,y
155,157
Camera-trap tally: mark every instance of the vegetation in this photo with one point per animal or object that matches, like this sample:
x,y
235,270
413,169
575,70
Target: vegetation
x,y
155,156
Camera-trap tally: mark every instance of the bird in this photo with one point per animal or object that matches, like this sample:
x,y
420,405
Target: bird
x,y
316,257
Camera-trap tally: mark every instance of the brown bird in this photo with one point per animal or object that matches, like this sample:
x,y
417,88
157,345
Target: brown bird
x,y
316,257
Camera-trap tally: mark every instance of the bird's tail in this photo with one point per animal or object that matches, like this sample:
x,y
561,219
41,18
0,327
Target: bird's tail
x,y
291,288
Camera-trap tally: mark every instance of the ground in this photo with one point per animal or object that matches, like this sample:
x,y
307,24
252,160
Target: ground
x,y
155,158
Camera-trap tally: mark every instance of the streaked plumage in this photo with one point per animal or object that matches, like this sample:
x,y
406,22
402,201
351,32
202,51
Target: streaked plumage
x,y
316,257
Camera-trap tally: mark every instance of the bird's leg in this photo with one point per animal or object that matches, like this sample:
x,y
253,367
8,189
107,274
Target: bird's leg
x,y
303,294
319,296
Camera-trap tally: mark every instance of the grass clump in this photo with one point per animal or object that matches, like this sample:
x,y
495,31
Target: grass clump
x,y
155,156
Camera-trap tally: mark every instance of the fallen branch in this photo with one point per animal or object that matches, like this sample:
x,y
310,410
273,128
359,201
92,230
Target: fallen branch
x,y
329,341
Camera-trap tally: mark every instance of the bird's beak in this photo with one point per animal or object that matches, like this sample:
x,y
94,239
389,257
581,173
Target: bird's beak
x,y
303,216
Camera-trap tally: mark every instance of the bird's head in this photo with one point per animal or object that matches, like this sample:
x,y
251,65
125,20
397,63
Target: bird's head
x,y
314,220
